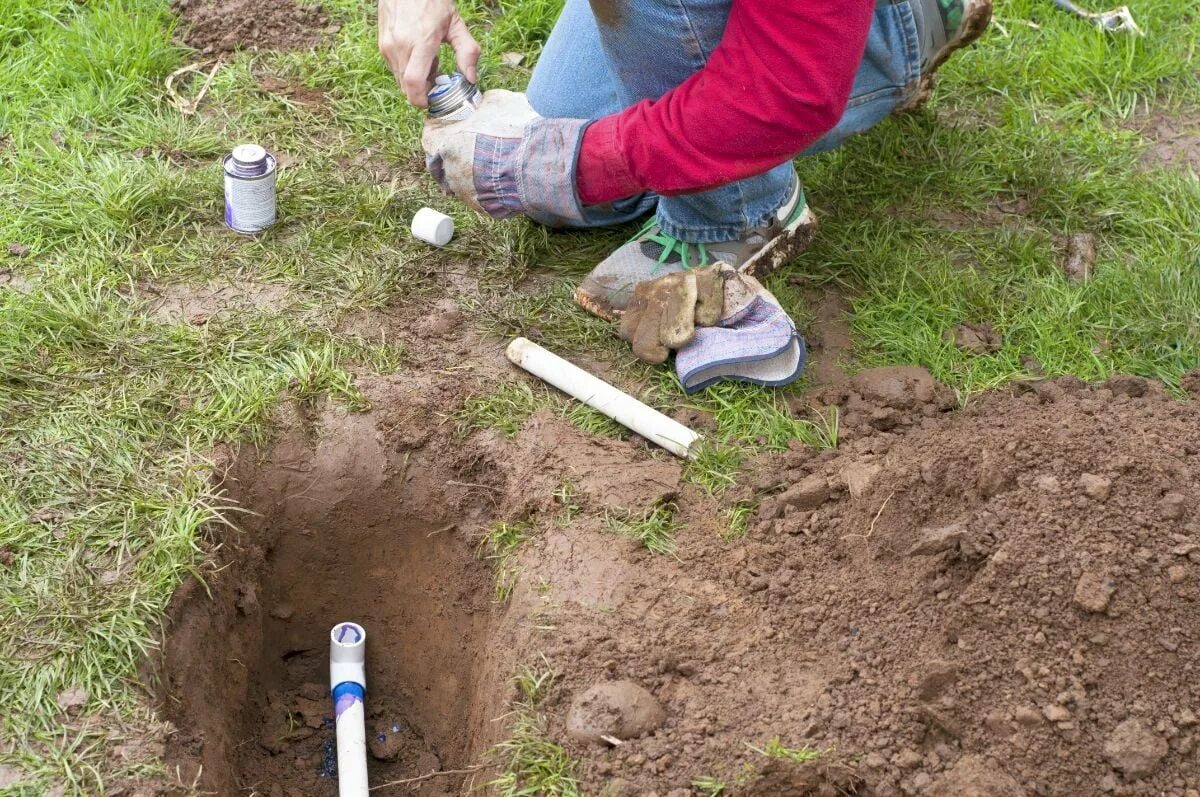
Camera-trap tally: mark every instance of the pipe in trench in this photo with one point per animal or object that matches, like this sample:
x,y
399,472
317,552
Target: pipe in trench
x,y
348,686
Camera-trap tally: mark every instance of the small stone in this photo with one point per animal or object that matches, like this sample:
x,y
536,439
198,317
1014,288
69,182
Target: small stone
x,y
1056,713
1028,716
1096,487
620,709
1094,590
935,540
1177,574
1187,718
72,700
907,759
282,611
512,59
1047,484
1134,749
1173,506
809,493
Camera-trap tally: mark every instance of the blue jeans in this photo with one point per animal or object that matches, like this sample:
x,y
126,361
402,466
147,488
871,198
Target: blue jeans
x,y
589,70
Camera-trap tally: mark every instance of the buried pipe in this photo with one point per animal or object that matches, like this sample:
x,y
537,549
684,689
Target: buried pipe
x,y
348,685
600,395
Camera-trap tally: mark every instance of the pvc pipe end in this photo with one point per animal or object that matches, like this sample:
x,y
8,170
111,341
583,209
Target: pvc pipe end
x,y
432,227
347,654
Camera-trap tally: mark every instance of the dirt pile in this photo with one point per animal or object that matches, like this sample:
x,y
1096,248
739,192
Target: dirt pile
x,y
997,601
223,26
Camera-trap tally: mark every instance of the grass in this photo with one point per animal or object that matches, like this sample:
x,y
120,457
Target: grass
x,y
107,413
797,755
655,529
500,545
509,405
532,763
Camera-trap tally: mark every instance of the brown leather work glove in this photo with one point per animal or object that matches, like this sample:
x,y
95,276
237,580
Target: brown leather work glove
x,y
664,313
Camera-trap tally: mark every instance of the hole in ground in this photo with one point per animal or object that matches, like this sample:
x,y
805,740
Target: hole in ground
x,y
346,528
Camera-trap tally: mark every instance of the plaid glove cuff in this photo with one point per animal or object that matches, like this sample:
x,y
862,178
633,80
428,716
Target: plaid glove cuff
x,y
532,175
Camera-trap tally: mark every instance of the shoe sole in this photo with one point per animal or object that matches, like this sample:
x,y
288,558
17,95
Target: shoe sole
x,y
783,248
975,22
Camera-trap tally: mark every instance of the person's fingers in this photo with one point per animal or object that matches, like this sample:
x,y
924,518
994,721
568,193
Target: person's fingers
x,y
466,49
710,295
632,315
415,80
646,345
677,323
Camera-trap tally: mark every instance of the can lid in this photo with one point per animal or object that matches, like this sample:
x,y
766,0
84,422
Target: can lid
x,y
249,154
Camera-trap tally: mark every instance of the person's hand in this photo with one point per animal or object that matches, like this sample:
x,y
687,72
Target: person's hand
x,y
664,312
410,34
504,159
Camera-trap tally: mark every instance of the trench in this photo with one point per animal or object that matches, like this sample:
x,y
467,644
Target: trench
x,y
343,529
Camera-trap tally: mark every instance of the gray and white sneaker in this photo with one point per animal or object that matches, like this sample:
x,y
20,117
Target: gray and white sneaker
x,y
949,26
651,253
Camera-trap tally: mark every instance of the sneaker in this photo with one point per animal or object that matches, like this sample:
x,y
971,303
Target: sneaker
x,y
652,253
950,26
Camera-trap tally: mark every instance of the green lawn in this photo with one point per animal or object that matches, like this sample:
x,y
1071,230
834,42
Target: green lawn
x,y
107,411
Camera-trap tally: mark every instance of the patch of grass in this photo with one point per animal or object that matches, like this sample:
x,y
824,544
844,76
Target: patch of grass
x,y
564,496
532,763
799,755
500,545
508,407
737,520
655,529
709,786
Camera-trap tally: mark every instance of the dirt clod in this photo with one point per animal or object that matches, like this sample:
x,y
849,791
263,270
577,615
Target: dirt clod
x,y
224,26
1173,506
9,776
1094,486
975,338
617,709
1081,254
973,776
18,250
1094,590
72,700
1134,749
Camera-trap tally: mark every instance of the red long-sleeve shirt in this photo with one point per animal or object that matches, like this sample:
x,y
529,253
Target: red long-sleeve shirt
x,y
779,79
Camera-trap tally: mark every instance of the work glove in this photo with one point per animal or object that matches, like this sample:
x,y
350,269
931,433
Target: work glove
x,y
505,159
663,313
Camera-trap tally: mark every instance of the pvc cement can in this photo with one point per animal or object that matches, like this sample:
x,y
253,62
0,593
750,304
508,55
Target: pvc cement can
x,y
249,189
453,97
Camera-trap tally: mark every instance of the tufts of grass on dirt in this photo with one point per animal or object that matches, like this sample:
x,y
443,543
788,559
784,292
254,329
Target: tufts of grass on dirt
x,y
777,749
655,529
531,762
500,545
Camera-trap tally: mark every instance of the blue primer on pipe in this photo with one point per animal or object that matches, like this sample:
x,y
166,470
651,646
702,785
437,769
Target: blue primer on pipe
x,y
345,695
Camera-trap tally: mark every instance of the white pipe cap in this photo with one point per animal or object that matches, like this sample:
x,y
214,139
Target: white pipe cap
x,y
432,227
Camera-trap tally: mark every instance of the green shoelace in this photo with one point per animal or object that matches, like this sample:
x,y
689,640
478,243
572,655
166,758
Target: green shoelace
x,y
671,244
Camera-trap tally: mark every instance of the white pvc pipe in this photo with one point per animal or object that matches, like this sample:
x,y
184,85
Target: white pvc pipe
x,y
348,685
598,394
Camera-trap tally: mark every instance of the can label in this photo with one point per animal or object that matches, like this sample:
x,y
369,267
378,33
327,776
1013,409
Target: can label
x,y
249,201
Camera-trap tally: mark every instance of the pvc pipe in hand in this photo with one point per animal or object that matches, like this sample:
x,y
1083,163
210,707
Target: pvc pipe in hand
x,y
348,685
600,395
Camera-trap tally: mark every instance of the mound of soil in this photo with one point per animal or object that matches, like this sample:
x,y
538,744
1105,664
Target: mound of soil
x,y
997,601
223,26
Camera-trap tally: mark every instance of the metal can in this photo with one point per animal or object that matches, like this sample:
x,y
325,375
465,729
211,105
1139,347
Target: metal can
x,y
249,189
453,97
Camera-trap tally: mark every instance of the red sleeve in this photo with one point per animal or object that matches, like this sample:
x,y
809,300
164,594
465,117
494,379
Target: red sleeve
x,y
779,79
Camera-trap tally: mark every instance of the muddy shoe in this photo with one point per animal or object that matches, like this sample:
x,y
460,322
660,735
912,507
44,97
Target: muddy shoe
x,y
950,26
652,253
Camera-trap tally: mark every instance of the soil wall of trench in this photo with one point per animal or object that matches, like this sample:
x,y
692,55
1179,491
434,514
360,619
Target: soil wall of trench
x,y
999,600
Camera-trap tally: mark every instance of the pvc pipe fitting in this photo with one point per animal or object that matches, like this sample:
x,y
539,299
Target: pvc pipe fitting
x,y
348,686
600,395
432,227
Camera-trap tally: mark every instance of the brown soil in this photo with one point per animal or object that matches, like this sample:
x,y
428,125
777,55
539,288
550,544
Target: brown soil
x,y
995,601
1175,139
223,26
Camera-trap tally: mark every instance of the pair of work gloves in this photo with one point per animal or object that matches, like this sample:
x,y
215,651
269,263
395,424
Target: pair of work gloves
x,y
505,159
